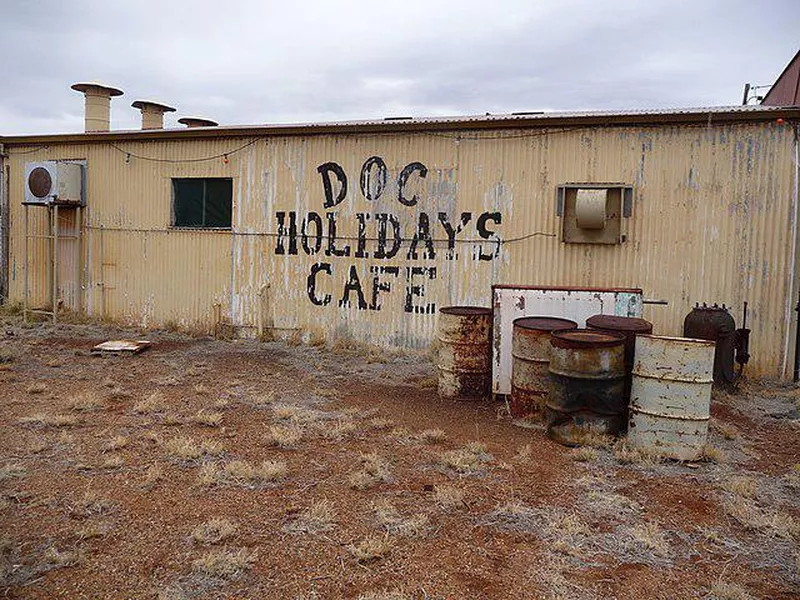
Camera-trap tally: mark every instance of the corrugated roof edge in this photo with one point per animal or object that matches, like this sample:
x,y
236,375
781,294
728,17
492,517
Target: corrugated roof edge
x,y
716,114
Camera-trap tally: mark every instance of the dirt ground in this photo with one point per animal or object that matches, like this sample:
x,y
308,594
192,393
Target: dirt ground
x,y
207,469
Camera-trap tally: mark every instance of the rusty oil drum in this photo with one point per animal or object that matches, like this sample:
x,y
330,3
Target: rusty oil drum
x,y
465,352
630,327
587,385
531,349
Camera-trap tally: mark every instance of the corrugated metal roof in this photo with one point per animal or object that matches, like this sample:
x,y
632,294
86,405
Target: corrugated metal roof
x,y
402,124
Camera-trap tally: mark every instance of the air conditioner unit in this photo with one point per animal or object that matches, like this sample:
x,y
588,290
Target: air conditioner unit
x,y
54,182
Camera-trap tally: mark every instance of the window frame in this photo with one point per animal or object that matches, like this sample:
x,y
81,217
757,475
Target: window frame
x,y
174,197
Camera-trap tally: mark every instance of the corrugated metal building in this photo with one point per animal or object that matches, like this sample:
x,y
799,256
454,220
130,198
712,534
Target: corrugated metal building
x,y
364,229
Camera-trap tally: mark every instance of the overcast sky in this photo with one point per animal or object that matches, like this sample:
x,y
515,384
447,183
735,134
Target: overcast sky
x,y
243,62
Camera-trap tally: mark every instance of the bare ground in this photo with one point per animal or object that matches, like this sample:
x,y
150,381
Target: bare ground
x,y
205,469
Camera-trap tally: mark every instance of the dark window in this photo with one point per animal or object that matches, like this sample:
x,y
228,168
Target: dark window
x,y
202,202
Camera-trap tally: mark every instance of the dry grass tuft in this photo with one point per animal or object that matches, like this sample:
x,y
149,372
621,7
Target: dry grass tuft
x,y
241,472
729,431
12,471
381,423
90,531
92,505
584,454
713,454
86,402
152,476
222,403
112,461
154,403
792,478
516,516
393,522
742,485
728,591
284,436
317,518
470,459
46,420
224,564
592,438
629,455
523,454
751,516
338,430
207,418
116,443
428,383
432,436
36,388
448,497
213,531
185,449
263,400
371,548
57,559
386,595
652,537
374,470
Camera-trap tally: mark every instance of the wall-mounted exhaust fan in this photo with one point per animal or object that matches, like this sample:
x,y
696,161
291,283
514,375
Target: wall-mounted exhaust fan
x,y
54,182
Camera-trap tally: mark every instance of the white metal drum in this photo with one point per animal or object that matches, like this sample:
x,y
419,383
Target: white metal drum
x,y
671,395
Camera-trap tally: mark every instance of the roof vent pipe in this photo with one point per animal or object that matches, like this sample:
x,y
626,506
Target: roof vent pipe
x,y
197,122
152,113
97,112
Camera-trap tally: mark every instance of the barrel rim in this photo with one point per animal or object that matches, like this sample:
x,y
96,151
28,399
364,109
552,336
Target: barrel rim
x,y
562,339
619,323
466,311
524,323
672,338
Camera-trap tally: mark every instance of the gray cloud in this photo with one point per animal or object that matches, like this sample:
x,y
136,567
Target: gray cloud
x,y
253,62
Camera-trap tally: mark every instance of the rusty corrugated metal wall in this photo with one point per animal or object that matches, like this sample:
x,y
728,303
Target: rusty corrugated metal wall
x,y
712,221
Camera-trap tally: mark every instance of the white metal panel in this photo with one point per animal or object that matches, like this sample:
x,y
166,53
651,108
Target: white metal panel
x,y
576,304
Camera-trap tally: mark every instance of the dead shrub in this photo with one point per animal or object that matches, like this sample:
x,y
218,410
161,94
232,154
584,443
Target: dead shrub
x,y
116,443
112,461
380,423
728,591
12,471
729,431
183,449
432,436
338,430
713,454
630,455
152,475
741,485
584,454
213,531
651,536
92,505
751,516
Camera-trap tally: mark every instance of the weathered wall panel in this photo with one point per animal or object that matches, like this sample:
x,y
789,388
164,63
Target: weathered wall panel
x,y
712,221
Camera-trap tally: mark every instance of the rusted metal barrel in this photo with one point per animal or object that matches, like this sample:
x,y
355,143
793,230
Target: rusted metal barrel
x,y
587,385
671,395
465,351
630,327
530,366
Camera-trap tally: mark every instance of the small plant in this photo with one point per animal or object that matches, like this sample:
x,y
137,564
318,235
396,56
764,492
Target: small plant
x,y
629,455
213,531
154,403
113,461
381,423
742,485
317,518
207,418
651,536
224,564
728,591
57,559
371,548
729,431
338,430
185,449
448,497
152,476
92,505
